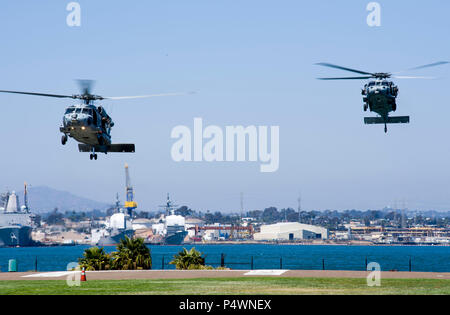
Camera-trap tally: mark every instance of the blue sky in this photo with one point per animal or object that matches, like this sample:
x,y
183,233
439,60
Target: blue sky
x,y
252,64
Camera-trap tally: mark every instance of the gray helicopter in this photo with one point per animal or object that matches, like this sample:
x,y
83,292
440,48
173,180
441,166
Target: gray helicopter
x,y
380,94
88,124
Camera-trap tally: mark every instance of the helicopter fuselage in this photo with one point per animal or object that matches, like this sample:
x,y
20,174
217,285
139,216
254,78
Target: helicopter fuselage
x,y
87,124
380,97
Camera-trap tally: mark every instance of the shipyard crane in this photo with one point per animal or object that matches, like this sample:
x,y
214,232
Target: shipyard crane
x,y
130,204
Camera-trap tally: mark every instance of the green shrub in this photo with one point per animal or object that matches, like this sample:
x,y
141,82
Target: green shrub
x,y
95,258
188,260
131,254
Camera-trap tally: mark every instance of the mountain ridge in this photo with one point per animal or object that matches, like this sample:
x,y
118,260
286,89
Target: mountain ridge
x,y
42,199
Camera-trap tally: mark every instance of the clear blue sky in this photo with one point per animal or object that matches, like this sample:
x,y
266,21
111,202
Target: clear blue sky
x,y
252,64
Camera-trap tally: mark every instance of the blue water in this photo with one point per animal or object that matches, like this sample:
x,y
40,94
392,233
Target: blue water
x,y
294,257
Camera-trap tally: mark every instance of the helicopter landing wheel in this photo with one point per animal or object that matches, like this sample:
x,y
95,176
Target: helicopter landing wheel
x,y
64,139
93,157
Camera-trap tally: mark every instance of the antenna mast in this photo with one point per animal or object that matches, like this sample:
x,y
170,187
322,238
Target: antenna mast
x,y
25,197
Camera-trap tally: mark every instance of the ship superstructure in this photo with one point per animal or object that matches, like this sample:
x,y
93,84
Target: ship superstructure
x,y
174,225
117,227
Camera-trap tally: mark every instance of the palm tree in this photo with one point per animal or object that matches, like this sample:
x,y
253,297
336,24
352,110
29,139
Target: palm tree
x,y
185,259
132,254
95,259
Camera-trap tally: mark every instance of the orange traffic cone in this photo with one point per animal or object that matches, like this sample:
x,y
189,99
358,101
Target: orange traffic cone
x,y
83,275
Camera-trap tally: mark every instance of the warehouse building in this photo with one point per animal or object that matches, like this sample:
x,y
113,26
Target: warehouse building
x,y
290,231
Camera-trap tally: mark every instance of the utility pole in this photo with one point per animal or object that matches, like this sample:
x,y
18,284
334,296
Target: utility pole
x,y
299,207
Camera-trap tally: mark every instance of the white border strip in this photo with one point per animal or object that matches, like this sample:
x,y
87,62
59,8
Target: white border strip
x,y
265,273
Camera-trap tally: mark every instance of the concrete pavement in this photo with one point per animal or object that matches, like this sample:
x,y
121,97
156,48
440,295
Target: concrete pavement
x,y
192,274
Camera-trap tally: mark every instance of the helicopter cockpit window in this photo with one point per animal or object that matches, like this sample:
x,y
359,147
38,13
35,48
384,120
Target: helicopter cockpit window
x,y
87,111
371,83
70,111
385,84
78,111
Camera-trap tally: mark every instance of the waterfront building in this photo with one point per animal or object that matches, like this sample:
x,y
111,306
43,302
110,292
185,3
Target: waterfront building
x,y
290,231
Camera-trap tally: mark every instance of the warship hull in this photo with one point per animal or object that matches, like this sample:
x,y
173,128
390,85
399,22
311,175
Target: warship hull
x,y
113,240
175,239
13,236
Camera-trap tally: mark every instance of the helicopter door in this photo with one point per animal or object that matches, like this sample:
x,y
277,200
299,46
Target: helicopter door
x,y
94,117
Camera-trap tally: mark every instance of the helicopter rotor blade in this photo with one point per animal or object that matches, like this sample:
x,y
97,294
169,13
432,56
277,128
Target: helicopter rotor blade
x,y
144,96
440,63
39,94
430,65
413,77
346,78
329,65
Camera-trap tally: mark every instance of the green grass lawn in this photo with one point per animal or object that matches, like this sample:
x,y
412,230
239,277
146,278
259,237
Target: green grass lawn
x,y
234,286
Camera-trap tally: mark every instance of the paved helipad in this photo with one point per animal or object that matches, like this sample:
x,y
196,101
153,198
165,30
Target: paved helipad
x,y
192,274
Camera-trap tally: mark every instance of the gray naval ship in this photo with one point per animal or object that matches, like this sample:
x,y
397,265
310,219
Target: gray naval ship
x,y
174,225
117,227
15,221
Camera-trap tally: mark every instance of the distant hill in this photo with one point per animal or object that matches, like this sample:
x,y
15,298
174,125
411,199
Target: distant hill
x,y
43,199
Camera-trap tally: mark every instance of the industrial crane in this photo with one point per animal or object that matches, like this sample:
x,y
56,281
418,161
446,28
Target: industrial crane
x,y
130,204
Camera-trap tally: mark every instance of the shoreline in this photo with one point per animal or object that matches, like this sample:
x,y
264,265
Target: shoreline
x,y
241,243
315,244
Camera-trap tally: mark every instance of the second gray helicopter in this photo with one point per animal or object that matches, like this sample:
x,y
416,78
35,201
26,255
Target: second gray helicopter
x,y
380,94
